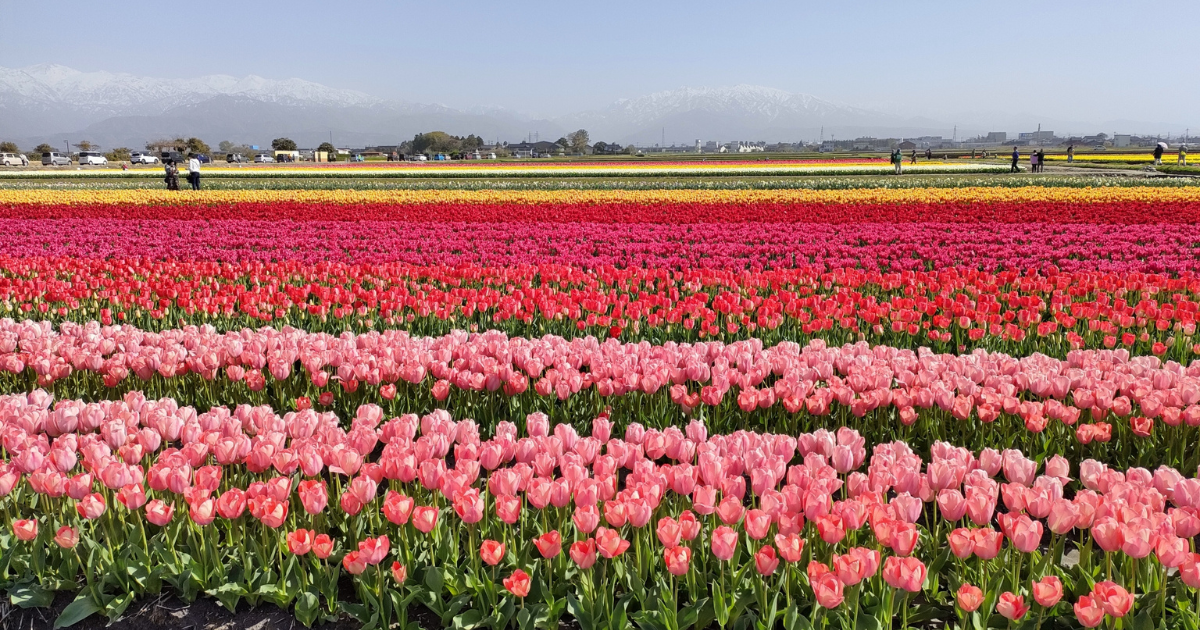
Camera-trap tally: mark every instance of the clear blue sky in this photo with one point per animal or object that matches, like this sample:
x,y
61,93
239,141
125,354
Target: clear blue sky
x,y
1090,60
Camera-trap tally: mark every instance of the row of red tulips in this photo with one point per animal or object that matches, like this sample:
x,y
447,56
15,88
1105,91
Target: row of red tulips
x,y
765,529
1149,248
677,211
981,399
954,309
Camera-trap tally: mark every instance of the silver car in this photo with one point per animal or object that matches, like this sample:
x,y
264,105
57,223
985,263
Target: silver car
x,y
13,159
51,158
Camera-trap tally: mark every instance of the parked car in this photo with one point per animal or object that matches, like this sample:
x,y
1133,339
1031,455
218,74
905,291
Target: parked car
x,y
174,156
263,158
92,158
51,158
137,157
235,158
13,159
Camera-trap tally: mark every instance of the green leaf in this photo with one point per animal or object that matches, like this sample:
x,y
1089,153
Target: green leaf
x,y
867,622
579,613
358,611
691,613
30,596
307,608
719,607
649,620
525,619
1143,621
117,606
78,610
434,580
793,620
467,620
229,594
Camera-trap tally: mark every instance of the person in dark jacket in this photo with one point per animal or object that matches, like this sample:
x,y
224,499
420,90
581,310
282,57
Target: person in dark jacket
x,y
1041,160
172,178
1158,151
1015,157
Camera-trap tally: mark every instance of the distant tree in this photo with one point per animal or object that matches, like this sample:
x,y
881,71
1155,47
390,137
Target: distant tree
x,y
563,142
43,148
9,147
226,146
283,144
578,141
196,146
472,142
84,145
631,150
600,148
325,146
120,154
436,142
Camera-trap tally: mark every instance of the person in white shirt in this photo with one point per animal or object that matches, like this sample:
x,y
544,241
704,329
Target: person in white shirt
x,y
194,172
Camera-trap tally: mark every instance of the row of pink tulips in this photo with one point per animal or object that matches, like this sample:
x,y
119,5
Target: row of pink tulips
x,y
757,515
980,399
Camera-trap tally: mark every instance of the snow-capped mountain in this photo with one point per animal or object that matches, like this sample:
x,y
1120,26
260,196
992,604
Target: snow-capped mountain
x,y
746,112
50,102
755,101
129,94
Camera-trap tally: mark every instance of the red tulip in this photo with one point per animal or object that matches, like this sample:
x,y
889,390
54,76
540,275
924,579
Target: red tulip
x,y
1011,606
548,544
1088,612
300,541
583,553
399,572
765,560
724,541
904,573
231,504
828,590
609,542
678,560
66,537
757,524
668,531
518,583
1047,591
969,597
92,506
1113,598
491,552
313,496
425,518
791,547
374,550
159,513
353,561
322,546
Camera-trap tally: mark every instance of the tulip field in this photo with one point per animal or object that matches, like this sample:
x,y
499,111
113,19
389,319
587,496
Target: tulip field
x,y
837,407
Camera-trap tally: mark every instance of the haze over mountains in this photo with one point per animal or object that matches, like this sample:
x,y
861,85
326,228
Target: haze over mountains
x,y
53,103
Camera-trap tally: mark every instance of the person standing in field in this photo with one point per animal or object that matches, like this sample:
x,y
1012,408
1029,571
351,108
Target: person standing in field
x,y
1041,160
914,157
172,175
1158,151
1015,157
194,172
1033,163
896,160
1070,154
1183,155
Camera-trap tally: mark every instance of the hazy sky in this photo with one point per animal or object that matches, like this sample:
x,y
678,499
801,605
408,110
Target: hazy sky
x,y
1081,60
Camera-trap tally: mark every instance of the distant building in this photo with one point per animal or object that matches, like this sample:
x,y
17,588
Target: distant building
x,y
533,149
711,146
1036,136
996,137
1121,140
907,145
746,147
